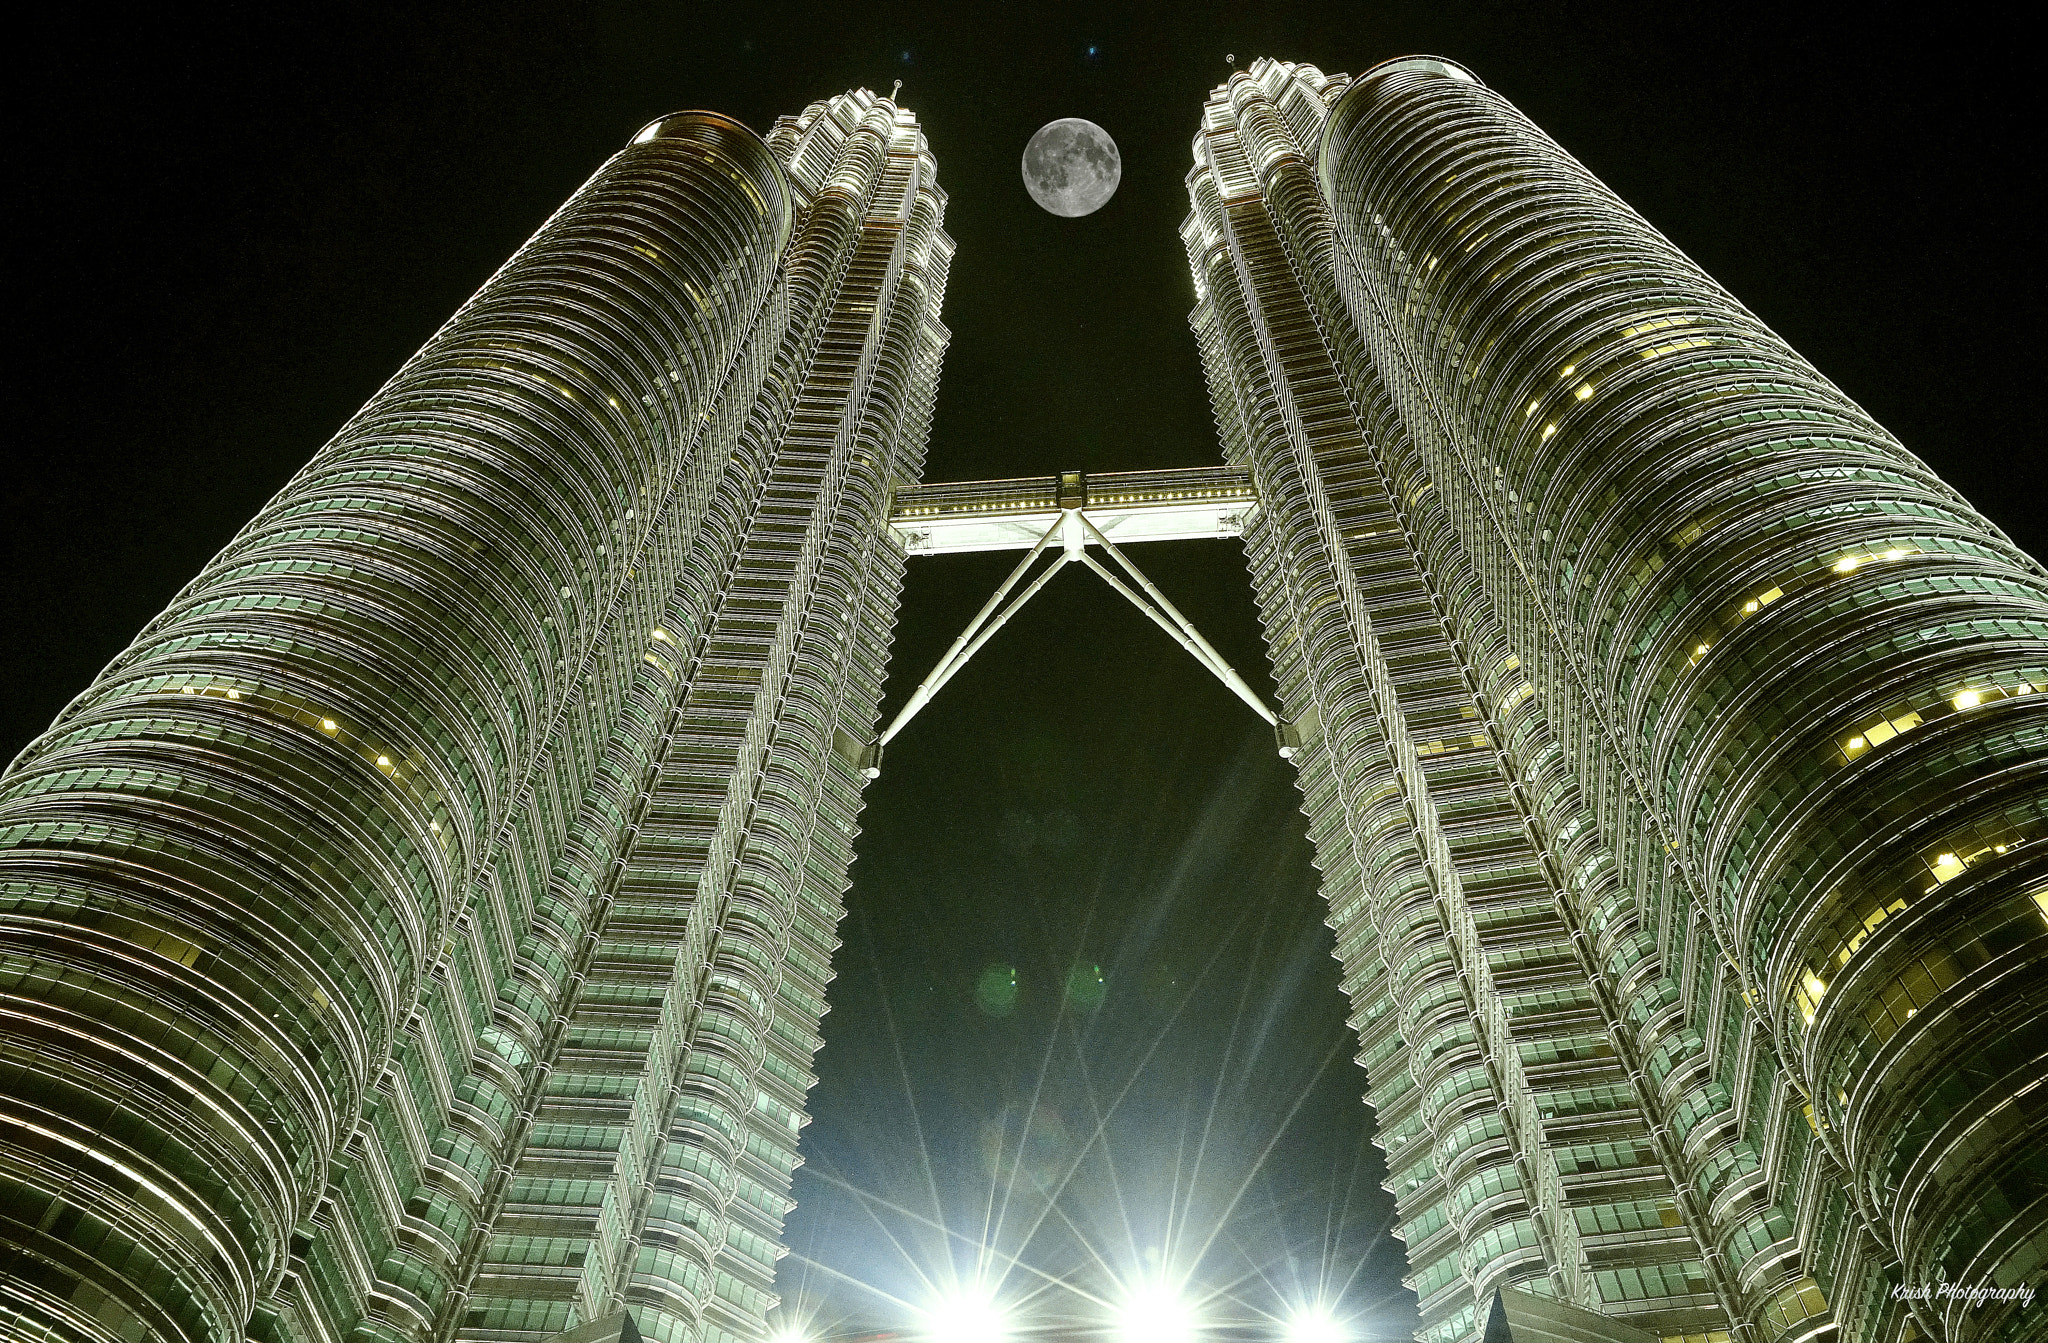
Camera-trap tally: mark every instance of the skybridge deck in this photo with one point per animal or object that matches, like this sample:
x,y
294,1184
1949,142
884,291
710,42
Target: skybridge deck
x,y
1125,506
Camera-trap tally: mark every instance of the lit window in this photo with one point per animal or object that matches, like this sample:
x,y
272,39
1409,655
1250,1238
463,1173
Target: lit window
x,y
329,725
1549,429
1969,699
1675,346
383,762
1847,564
1585,391
1659,324
1947,867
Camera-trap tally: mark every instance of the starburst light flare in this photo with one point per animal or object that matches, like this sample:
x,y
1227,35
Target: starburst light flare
x,y
967,1316
1315,1324
1155,1313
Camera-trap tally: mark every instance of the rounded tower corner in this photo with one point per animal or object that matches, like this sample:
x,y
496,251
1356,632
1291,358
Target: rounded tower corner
x,y
1353,98
738,141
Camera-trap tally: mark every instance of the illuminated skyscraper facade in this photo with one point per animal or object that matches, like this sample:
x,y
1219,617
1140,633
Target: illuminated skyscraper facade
x,y
1674,743
421,930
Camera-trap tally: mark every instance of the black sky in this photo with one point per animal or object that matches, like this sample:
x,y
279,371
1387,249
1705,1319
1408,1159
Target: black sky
x,y
233,225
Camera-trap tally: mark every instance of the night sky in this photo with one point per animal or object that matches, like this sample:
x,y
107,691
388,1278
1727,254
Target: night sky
x,y
232,227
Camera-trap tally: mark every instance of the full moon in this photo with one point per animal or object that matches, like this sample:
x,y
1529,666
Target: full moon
x,y
1071,167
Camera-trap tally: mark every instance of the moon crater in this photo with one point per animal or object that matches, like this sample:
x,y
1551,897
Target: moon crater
x,y
1071,167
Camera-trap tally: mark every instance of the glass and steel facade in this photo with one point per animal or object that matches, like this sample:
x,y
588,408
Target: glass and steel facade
x,y
421,930
1672,740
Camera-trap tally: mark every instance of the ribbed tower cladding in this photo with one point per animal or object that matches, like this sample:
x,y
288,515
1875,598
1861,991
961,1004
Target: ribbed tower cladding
x,y
420,932
1672,740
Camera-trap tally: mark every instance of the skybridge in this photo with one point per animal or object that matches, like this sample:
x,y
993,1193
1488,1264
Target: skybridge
x,y
1067,515
1125,506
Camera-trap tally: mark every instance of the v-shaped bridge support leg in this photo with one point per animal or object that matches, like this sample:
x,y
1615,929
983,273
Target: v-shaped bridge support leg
x,y
1076,531
1169,618
975,635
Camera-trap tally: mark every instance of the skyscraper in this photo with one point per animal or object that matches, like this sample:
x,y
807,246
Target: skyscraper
x,y
1671,738
421,930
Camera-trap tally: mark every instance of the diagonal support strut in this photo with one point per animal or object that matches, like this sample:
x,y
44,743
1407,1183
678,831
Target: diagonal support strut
x,y
1207,655
1077,530
968,644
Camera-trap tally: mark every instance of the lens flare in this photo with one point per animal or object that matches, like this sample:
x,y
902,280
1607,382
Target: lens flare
x,y
1314,1324
966,1317
1155,1313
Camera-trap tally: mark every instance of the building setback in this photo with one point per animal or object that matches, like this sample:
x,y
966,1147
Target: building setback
x,y
1672,740
421,930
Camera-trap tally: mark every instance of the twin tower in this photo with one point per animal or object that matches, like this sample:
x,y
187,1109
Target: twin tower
x,y
421,931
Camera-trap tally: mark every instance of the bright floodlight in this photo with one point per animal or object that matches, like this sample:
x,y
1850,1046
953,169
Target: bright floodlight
x,y
967,1317
1155,1313
1314,1325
